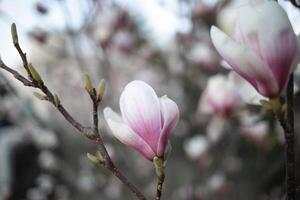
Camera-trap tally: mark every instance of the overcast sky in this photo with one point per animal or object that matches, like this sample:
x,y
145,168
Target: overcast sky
x,y
162,19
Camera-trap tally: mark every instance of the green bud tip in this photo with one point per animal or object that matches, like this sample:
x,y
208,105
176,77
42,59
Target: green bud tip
x,y
101,89
88,83
39,96
94,159
14,33
56,100
35,75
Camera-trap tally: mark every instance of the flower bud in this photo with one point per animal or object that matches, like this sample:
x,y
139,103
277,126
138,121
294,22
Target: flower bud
x,y
94,159
101,89
146,122
14,33
39,96
35,75
88,84
56,100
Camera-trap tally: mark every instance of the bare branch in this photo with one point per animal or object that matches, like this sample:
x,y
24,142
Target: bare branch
x,y
104,153
89,132
18,76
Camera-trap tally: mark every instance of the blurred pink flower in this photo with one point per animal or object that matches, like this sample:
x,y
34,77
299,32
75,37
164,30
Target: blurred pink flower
x,y
265,46
203,54
257,133
196,146
123,42
220,97
146,121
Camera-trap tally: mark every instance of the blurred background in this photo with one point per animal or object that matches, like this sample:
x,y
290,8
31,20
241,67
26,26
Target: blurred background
x,y
237,154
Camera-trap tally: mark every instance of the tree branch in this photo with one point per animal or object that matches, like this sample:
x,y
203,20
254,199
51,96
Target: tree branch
x,y
286,120
289,140
91,133
16,75
107,162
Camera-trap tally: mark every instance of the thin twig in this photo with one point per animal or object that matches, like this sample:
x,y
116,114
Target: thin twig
x,y
24,59
50,98
91,133
17,75
104,153
82,129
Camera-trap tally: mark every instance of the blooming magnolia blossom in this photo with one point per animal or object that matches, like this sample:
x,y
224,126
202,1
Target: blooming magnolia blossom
x,y
146,121
264,49
220,96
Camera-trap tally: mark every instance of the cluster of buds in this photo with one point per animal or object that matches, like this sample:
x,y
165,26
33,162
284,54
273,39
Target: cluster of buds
x,y
89,87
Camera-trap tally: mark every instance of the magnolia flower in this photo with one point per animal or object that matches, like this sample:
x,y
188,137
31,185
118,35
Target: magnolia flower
x,y
264,48
146,121
220,97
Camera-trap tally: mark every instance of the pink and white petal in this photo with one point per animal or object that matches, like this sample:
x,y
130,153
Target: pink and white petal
x,y
140,109
277,48
244,62
247,93
278,55
170,117
125,135
252,18
235,55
